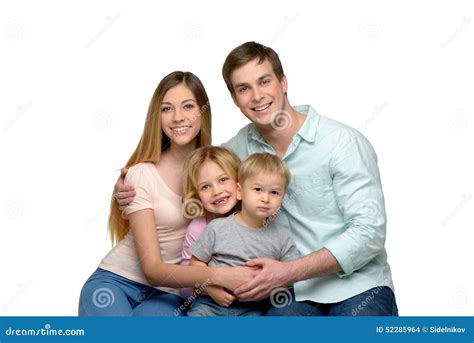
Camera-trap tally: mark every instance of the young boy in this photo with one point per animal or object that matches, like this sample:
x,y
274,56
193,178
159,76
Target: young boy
x,y
249,233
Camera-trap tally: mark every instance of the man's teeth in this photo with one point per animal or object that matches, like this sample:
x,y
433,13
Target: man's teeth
x,y
262,108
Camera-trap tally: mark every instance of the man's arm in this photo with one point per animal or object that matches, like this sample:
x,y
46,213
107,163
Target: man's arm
x,y
276,274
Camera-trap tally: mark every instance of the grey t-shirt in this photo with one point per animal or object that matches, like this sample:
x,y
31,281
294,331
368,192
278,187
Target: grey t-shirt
x,y
225,242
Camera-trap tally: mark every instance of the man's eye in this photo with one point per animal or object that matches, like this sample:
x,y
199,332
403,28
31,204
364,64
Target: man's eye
x,y
242,89
265,82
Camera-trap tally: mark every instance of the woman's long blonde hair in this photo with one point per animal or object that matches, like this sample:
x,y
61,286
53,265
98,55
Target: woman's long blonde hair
x,y
153,142
224,158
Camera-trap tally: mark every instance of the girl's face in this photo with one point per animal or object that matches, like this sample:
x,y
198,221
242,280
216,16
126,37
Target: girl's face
x,y
217,191
180,116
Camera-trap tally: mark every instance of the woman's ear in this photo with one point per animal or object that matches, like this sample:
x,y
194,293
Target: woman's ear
x,y
238,191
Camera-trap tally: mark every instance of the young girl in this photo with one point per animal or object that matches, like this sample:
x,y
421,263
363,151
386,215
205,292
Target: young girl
x,y
141,274
210,184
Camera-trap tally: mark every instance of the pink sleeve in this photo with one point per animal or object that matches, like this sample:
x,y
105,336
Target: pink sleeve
x,y
195,228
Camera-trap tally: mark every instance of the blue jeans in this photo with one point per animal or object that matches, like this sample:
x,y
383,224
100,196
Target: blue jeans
x,y
205,306
109,294
377,301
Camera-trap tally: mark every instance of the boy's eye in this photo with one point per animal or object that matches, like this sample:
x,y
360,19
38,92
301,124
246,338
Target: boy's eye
x,y
275,193
166,109
257,189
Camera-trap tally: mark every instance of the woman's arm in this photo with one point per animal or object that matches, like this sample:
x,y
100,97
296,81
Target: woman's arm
x,y
159,273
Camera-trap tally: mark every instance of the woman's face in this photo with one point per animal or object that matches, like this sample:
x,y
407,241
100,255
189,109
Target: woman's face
x,y
180,115
216,189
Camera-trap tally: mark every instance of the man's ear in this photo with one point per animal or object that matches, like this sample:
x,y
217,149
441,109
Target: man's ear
x,y
238,191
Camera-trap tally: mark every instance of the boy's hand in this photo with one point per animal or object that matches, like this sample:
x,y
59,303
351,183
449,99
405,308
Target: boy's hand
x,y
220,295
123,193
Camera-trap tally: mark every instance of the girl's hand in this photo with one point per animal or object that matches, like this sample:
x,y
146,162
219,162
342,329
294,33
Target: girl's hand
x,y
220,295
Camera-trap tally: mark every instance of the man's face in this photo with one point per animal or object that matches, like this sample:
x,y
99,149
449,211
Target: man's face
x,y
258,92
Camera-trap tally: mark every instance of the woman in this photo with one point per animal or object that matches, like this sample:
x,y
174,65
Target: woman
x,y
139,276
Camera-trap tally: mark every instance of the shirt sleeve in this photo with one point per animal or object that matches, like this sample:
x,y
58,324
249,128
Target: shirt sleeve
x,y
138,178
203,247
194,230
289,252
358,190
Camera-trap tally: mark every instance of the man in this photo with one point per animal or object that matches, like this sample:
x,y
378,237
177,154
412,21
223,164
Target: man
x,y
334,206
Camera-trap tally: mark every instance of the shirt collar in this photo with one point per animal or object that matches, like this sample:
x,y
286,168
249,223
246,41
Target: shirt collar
x,y
307,131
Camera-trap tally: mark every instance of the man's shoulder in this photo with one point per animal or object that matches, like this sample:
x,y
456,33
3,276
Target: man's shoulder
x,y
238,143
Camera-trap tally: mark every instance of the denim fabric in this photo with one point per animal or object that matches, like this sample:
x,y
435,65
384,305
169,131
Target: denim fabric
x,y
377,301
109,294
205,306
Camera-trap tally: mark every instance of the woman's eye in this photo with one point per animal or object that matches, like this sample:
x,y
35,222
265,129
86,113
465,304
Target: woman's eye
x,y
166,109
188,106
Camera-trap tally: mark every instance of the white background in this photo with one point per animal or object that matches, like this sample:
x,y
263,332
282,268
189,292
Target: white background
x,y
76,79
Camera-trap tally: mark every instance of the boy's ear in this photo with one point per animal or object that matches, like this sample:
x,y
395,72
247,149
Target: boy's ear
x,y
238,191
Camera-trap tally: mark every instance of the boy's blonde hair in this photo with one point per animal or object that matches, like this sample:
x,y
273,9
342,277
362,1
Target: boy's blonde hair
x,y
223,157
263,163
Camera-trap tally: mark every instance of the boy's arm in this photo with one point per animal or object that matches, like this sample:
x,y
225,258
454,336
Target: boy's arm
x,y
219,294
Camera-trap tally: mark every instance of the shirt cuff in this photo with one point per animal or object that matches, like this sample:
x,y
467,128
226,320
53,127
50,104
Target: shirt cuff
x,y
340,248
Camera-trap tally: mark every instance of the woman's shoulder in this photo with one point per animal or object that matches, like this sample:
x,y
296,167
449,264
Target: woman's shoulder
x,y
139,171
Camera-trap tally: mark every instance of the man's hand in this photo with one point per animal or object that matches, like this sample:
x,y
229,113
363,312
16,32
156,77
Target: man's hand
x,y
123,193
233,277
273,274
220,295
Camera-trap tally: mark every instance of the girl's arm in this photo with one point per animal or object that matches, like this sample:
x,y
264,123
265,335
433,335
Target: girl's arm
x,y
219,294
159,273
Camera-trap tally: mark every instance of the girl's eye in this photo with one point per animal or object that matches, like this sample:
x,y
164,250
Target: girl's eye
x,y
205,187
223,179
166,109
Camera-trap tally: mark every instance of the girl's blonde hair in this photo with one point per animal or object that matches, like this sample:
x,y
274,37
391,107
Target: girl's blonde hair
x,y
223,157
153,142
263,163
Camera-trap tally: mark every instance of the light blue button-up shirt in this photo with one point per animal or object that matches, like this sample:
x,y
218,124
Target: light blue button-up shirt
x,y
334,201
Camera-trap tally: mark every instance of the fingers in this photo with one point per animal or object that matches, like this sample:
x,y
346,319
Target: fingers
x,y
257,262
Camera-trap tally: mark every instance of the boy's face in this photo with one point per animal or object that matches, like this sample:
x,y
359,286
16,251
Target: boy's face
x,y
258,92
261,195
